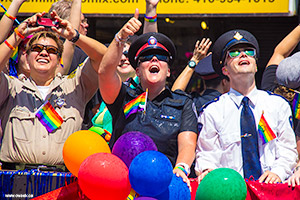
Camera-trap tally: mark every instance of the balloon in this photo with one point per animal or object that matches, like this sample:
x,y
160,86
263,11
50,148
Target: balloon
x,y
177,190
104,176
222,183
130,144
150,173
145,198
79,146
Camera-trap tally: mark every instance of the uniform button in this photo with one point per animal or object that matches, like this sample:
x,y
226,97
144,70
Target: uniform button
x,y
64,116
44,136
44,153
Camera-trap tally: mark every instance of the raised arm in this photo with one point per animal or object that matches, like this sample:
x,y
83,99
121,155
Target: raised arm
x,y
26,28
150,25
200,51
94,49
6,23
109,80
285,47
68,53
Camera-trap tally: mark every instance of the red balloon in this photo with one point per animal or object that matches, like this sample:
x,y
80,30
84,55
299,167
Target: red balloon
x,y
104,176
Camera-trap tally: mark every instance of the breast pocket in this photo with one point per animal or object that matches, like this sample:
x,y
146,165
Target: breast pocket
x,y
229,139
231,152
69,126
20,120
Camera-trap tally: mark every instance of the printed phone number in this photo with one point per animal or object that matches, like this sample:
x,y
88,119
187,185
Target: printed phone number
x,y
231,1
179,1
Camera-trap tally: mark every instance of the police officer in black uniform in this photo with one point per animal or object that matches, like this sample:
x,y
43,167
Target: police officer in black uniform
x,y
170,119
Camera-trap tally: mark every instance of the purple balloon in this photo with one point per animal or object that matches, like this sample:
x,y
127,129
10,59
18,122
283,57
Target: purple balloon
x,y
145,198
130,144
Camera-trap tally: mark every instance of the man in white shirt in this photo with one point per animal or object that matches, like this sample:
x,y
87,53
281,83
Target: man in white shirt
x,y
222,142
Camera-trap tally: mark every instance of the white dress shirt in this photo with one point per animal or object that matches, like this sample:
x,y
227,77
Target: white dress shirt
x,y
219,141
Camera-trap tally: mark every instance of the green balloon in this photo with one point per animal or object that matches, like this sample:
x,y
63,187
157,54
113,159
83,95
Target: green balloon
x,y
222,184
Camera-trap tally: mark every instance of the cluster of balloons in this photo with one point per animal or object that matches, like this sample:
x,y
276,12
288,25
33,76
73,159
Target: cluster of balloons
x,y
133,170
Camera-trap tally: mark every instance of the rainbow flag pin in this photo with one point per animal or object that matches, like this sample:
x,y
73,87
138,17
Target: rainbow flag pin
x,y
49,117
296,105
265,132
136,105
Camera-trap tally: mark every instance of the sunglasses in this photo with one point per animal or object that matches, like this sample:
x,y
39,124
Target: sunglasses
x,y
125,53
235,53
159,57
49,48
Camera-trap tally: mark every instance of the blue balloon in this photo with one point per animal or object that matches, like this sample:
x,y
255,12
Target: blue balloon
x,y
150,173
177,190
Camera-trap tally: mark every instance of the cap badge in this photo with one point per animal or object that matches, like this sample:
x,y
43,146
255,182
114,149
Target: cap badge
x,y
238,36
152,41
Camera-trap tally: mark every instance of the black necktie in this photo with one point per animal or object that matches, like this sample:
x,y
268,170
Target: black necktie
x,y
251,163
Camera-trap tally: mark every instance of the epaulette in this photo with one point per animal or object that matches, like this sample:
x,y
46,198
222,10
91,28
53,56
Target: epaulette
x,y
206,104
272,93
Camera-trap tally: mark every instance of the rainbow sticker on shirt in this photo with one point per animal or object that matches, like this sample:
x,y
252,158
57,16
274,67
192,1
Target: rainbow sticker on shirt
x,y
265,132
49,117
136,105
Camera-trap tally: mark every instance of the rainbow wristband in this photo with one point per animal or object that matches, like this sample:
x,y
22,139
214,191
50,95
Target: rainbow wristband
x,y
153,17
9,45
9,16
182,169
150,19
19,34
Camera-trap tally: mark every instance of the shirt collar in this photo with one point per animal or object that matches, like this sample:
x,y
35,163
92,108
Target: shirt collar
x,y
238,97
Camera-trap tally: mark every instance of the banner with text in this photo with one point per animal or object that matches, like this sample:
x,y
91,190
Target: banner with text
x,y
200,7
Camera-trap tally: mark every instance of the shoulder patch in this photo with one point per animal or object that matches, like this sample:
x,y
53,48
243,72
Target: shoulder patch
x,y
205,105
72,74
272,93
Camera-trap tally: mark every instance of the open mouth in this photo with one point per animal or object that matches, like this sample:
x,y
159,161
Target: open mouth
x,y
154,69
244,62
42,61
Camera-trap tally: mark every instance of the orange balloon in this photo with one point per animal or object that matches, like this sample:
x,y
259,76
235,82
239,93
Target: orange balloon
x,y
81,145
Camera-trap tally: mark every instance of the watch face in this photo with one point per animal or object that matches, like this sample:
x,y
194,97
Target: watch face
x,y
192,64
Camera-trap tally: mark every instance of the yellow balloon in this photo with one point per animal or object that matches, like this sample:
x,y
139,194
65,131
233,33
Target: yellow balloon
x,y
81,145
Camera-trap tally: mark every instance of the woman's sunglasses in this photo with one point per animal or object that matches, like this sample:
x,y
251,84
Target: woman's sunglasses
x,y
149,57
235,53
49,48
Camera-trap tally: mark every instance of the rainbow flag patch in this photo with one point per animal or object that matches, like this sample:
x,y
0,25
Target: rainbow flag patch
x,y
136,105
49,117
265,132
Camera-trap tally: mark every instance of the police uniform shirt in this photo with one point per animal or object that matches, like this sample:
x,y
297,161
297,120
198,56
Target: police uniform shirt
x,y
25,139
169,114
207,96
219,141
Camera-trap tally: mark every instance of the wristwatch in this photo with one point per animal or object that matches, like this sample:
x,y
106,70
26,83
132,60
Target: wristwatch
x,y
184,165
192,64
